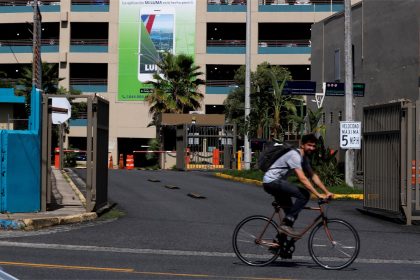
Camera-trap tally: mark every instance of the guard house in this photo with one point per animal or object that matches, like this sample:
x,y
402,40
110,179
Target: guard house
x,y
12,108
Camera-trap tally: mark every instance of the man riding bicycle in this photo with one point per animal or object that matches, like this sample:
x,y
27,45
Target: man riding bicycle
x,y
275,182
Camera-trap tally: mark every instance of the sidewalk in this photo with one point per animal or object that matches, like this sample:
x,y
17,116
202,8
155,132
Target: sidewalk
x,y
67,207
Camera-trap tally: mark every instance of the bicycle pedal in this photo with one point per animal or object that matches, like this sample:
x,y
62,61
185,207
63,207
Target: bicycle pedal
x,y
286,256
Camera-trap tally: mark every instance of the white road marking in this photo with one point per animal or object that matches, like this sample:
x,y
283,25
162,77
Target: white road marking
x,y
178,252
6,276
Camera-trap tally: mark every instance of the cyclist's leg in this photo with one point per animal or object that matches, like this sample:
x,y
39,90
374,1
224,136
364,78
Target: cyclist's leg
x,y
286,203
301,195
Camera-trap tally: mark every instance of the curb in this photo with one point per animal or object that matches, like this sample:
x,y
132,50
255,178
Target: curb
x,y
75,188
38,223
259,183
238,179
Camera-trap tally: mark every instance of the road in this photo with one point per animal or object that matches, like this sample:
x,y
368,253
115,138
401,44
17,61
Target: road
x,y
167,234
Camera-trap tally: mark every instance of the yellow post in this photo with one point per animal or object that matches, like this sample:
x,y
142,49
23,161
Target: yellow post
x,y
239,160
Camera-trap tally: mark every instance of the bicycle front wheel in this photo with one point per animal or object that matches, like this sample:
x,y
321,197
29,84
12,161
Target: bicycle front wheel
x,y
255,241
334,246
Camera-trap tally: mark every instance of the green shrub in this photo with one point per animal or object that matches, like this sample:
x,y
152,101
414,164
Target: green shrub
x,y
324,162
69,159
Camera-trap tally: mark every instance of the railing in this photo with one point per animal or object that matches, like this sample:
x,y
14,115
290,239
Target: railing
x,y
9,82
226,43
87,42
88,81
89,84
221,83
79,115
28,3
226,2
299,2
284,43
90,2
28,42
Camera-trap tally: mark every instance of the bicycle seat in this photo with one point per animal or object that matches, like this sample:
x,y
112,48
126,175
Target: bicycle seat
x,y
277,204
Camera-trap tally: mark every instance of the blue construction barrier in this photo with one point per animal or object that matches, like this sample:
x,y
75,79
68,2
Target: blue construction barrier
x,y
20,164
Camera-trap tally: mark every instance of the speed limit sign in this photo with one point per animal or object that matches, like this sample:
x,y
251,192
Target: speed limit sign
x,y
350,135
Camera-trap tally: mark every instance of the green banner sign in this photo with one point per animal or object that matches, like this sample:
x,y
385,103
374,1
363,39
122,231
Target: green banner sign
x,y
147,29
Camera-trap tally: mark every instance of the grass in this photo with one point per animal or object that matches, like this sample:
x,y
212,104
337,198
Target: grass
x,y
112,214
258,175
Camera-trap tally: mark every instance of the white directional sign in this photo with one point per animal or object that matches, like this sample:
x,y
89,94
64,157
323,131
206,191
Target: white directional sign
x,y
61,110
350,135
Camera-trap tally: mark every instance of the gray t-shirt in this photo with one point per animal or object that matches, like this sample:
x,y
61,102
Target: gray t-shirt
x,y
284,165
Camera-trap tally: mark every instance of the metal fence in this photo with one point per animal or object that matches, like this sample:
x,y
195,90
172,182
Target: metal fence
x,y
205,146
391,158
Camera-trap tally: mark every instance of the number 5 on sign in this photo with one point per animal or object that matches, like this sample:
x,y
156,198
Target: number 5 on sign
x,y
350,135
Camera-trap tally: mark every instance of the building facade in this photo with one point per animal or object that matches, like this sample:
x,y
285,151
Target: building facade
x,y
83,38
386,57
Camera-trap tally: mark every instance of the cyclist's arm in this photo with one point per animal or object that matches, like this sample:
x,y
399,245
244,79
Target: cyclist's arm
x,y
305,181
318,182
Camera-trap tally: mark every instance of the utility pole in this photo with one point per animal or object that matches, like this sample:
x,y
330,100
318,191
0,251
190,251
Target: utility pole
x,y
36,48
247,150
348,59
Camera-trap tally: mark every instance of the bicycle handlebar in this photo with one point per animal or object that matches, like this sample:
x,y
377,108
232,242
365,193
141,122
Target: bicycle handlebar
x,y
324,201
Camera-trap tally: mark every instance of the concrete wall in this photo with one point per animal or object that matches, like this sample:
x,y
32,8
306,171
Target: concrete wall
x,y
386,56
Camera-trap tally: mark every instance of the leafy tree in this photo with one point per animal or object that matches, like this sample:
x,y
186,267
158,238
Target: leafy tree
x,y
267,102
175,89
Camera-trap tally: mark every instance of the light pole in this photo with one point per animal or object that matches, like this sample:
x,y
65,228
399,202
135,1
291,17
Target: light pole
x,y
36,45
348,58
247,150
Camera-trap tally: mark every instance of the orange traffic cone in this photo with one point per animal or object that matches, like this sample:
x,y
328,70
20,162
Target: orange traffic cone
x,y
129,162
121,162
111,163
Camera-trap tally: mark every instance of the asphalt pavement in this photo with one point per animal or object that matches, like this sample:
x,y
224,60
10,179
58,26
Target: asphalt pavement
x,y
168,234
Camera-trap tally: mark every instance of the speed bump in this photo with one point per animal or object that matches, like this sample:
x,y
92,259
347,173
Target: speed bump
x,y
196,195
153,180
172,187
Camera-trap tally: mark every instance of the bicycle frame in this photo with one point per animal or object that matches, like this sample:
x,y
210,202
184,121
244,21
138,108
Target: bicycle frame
x,y
277,211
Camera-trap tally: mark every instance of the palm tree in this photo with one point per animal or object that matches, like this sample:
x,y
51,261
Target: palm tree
x,y
4,81
314,118
50,79
175,88
280,104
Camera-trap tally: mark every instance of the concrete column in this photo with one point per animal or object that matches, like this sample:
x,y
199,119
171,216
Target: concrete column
x,y
64,48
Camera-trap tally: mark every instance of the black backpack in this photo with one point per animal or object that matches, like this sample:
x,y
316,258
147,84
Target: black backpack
x,y
271,153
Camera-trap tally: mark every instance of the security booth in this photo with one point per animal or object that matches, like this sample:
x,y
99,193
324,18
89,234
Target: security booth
x,y
202,141
20,164
12,109
391,159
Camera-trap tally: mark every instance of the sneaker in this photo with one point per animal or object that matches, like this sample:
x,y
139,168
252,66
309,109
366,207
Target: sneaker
x,y
289,231
274,249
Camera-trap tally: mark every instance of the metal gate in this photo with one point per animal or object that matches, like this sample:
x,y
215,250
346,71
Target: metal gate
x,y
97,151
205,147
391,136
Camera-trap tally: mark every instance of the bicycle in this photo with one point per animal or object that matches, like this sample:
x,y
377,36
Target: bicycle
x,y
333,243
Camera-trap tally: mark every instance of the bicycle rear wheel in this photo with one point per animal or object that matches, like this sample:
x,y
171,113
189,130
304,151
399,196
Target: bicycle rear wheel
x,y
255,241
335,246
